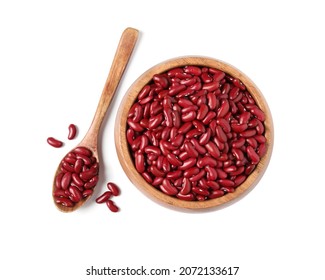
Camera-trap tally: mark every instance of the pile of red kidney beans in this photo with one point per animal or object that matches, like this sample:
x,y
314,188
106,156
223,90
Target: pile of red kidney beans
x,y
195,133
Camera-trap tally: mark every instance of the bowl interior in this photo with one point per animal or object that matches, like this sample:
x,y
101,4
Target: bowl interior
x,y
125,156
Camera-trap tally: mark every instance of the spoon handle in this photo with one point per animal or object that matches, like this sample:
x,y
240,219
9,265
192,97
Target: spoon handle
x,y
121,58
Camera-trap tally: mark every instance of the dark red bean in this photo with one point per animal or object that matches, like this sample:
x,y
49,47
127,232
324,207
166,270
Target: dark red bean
x,y
187,197
54,142
76,179
103,197
194,70
72,131
75,194
211,86
200,191
209,117
113,188
216,194
168,188
64,201
186,186
224,108
188,164
66,180
87,193
191,172
112,206
202,112
173,175
239,180
83,151
198,176
91,183
202,162
226,183
173,160
189,116
252,155
236,127
140,162
258,113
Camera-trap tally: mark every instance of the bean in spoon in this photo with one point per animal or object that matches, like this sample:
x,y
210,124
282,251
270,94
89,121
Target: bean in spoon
x,y
78,170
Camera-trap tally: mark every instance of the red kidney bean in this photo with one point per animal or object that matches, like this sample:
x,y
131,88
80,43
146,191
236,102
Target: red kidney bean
x,y
200,191
113,188
221,135
87,193
189,116
223,109
206,78
202,162
88,174
252,155
76,179
186,186
83,151
161,81
202,112
194,126
198,176
64,201
236,127
79,163
191,172
173,160
54,142
188,164
261,151
72,131
140,162
75,194
91,183
199,126
211,86
187,197
216,194
104,197
112,206
205,137
65,181
186,127
212,149
168,188
213,185
247,133
194,70
239,180
212,173
209,117
258,113
173,175
252,142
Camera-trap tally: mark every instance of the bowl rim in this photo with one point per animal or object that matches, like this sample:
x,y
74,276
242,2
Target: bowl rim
x,y
126,159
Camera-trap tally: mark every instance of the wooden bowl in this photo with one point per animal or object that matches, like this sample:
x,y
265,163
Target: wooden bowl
x,y
123,150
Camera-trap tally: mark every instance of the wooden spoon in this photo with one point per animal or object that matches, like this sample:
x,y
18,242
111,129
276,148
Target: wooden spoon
x,y
90,141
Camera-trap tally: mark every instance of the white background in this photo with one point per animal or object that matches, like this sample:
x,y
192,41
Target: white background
x,y
54,59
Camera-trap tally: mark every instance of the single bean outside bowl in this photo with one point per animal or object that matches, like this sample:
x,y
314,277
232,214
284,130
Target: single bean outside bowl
x,y
190,164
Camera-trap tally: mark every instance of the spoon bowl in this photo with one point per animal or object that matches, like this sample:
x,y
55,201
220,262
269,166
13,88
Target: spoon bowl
x,y
90,141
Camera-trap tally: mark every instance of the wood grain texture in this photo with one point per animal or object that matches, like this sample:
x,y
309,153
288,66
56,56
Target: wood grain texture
x,y
90,141
125,157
